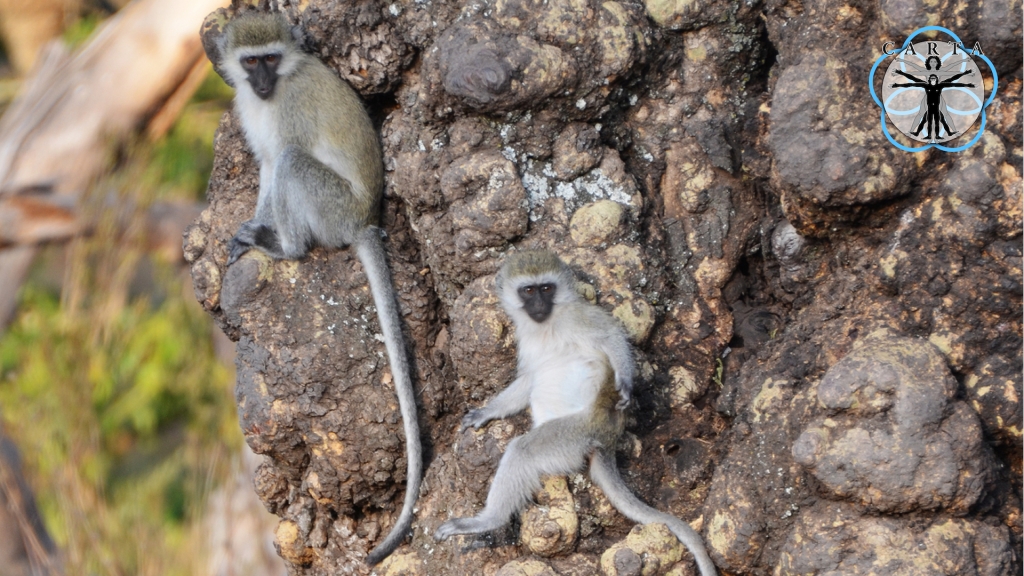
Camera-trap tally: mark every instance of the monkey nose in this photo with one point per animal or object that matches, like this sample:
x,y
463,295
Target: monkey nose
x,y
263,90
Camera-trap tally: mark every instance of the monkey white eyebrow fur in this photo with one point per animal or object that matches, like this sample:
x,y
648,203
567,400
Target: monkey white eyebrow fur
x,y
268,48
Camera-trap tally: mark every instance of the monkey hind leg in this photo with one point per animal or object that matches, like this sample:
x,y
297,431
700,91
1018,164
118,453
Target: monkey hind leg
x,y
559,446
605,473
254,234
313,204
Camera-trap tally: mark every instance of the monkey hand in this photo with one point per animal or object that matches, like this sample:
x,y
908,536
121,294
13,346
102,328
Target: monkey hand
x,y
444,532
253,234
625,390
475,418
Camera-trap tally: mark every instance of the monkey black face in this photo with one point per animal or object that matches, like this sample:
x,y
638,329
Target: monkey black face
x,y
538,300
262,71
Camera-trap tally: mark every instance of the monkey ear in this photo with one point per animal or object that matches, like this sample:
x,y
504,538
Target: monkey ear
x,y
301,38
221,42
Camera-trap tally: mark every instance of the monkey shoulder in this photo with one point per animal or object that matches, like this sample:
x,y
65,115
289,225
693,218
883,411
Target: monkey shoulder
x,y
599,321
598,317
333,95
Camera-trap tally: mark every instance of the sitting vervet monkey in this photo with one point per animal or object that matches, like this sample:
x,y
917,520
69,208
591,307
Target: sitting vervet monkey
x,y
575,372
321,181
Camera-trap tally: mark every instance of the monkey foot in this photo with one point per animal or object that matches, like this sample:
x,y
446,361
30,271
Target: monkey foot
x,y
236,248
448,529
455,526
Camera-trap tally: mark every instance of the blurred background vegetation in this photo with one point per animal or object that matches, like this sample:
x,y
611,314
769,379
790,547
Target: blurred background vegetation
x,y
110,381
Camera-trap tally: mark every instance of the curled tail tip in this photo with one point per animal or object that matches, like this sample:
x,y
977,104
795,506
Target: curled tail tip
x,y
378,554
605,474
389,545
394,538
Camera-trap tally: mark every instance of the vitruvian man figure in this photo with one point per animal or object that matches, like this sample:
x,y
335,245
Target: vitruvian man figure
x,y
935,109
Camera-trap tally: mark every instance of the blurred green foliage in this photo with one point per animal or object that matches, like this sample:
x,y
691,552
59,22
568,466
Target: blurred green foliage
x,y
182,161
137,416
79,31
109,382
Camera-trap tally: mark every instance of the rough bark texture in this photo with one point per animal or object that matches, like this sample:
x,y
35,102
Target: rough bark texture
x,y
715,174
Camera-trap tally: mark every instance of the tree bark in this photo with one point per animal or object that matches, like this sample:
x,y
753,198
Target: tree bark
x,y
804,298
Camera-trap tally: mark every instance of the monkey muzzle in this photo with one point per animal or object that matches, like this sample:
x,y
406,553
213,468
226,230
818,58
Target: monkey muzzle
x,y
538,301
262,74
263,84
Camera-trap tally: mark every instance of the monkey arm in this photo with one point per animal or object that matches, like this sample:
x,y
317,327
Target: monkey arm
x,y
258,232
904,74
511,400
620,355
958,85
263,211
907,85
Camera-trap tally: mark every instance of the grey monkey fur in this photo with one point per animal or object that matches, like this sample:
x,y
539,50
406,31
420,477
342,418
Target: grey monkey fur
x,y
575,369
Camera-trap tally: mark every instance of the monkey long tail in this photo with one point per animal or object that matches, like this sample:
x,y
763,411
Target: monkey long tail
x,y
370,249
605,474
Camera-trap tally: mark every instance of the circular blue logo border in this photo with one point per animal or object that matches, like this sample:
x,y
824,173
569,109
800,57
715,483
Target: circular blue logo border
x,y
991,96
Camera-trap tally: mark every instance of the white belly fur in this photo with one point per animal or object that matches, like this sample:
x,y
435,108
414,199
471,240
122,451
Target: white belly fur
x,y
562,388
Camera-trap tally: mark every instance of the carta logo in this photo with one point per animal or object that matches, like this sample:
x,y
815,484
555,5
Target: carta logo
x,y
933,92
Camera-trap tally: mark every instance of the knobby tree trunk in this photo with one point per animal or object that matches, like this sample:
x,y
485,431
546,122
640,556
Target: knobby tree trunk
x,y
828,329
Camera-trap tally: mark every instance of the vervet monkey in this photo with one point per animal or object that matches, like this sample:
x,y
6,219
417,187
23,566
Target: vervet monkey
x,y
575,370
321,180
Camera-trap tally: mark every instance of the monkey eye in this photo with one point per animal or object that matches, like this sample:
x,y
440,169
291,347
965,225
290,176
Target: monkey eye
x,y
251,61
547,288
272,59
529,290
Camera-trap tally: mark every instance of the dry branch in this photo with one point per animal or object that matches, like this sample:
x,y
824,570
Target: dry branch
x,y
54,138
